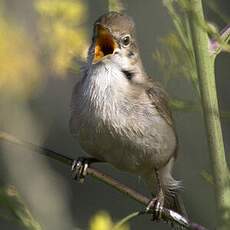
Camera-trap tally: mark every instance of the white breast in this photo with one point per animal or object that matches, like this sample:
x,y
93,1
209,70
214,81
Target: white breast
x,y
105,89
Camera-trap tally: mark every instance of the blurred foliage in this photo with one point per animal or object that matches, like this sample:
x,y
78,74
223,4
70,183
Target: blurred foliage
x,y
62,33
207,177
174,60
217,37
188,106
116,5
175,55
15,210
213,6
62,37
19,66
103,221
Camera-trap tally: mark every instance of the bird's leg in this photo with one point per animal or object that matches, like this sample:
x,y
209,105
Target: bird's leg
x,y
79,167
157,202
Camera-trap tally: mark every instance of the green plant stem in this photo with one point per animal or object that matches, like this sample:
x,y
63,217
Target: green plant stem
x,y
126,220
206,76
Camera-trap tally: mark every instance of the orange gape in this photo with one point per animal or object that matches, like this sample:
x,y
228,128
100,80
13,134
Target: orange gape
x,y
105,44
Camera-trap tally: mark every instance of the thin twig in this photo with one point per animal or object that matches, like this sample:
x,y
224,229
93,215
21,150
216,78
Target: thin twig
x,y
36,148
167,214
116,184
220,43
126,219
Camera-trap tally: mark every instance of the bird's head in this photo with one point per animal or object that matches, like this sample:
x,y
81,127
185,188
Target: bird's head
x,y
114,40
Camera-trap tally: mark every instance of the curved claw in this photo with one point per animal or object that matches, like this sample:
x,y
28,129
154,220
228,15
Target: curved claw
x,y
79,169
156,205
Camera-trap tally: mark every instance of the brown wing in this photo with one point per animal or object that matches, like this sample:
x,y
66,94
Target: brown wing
x,y
160,100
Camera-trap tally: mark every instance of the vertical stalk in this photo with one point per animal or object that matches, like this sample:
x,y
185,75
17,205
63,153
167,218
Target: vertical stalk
x,y
206,76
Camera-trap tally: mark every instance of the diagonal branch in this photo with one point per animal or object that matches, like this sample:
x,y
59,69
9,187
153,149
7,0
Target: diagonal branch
x,y
167,214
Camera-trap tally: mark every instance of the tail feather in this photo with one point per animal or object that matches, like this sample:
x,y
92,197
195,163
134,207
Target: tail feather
x,y
175,203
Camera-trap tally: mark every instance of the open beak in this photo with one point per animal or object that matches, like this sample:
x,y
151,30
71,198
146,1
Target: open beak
x,y
105,44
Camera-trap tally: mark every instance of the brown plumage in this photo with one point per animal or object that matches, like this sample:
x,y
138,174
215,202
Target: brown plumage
x,y
119,114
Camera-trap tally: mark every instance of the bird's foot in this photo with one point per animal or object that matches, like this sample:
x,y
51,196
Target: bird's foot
x,y
156,206
79,169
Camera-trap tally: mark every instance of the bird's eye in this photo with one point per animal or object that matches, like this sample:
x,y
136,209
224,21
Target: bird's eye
x,y
126,40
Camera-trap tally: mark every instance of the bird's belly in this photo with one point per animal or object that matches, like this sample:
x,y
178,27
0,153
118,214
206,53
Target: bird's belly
x,y
129,151
110,149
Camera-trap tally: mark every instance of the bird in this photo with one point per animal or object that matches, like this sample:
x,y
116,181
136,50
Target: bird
x,y
121,115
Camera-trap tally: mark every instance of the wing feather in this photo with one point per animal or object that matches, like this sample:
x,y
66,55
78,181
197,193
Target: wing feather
x,y
160,100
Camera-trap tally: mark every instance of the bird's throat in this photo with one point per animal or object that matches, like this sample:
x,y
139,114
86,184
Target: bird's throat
x,y
105,88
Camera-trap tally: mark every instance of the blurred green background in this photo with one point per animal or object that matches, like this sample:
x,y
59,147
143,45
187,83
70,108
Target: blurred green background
x,y
42,45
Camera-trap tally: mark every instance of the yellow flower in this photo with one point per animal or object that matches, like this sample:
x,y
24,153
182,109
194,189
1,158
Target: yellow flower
x,y
102,221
